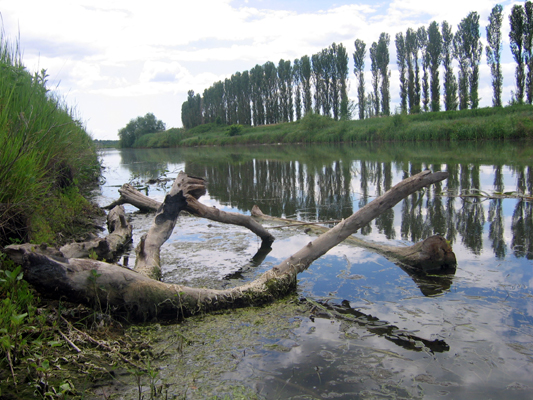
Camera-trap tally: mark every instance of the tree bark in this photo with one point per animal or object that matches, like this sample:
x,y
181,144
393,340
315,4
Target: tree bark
x,y
130,195
121,289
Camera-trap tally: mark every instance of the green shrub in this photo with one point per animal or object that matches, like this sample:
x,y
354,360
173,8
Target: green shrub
x,y
234,130
313,122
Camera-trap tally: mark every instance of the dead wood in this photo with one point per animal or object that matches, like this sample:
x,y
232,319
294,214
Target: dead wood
x,y
109,248
130,195
148,250
431,255
121,289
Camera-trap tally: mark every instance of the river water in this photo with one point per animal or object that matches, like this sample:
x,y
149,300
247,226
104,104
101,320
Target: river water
x,y
471,332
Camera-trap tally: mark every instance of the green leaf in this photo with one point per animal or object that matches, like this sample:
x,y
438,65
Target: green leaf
x,y
65,387
17,319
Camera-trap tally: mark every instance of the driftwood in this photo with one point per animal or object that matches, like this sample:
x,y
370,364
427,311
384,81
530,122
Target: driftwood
x,y
431,255
109,248
148,261
121,289
130,195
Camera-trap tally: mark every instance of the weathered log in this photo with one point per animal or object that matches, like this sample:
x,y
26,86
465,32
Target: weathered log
x,y
148,260
431,255
130,195
119,288
214,214
109,248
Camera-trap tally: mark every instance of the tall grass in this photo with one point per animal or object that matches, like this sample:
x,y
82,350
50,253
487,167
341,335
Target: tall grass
x,y
44,148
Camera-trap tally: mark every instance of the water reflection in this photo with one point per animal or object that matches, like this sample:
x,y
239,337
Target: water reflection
x,y
322,183
374,325
325,190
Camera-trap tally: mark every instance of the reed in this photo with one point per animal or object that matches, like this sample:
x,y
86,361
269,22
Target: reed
x,y
44,148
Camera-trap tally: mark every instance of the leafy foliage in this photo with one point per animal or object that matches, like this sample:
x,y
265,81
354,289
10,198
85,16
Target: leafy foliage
x,y
359,71
467,46
139,127
434,54
493,51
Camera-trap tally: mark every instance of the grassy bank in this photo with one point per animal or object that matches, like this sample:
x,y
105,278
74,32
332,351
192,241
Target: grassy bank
x,y
46,160
482,124
46,156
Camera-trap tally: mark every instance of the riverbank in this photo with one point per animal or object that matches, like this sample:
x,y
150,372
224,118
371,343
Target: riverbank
x,y
507,123
48,164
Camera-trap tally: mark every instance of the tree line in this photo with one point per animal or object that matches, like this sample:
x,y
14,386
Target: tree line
x,y
268,94
422,52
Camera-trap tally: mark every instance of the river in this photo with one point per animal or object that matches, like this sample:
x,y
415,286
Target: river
x,y
481,316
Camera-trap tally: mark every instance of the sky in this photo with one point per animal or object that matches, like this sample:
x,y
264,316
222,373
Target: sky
x,y
116,60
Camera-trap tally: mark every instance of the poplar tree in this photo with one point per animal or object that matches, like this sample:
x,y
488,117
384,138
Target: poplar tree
x,y
467,46
359,71
516,37
413,85
218,102
401,60
305,76
493,51
326,74
383,66
476,50
316,74
422,38
528,47
270,90
258,106
229,102
434,54
341,62
374,67
285,90
297,82
450,82
245,111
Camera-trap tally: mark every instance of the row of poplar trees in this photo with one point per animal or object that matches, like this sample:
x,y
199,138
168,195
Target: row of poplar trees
x,y
269,94
421,53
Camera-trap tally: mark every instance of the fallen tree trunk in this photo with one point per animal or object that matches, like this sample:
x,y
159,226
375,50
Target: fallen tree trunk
x,y
121,289
130,195
109,248
431,255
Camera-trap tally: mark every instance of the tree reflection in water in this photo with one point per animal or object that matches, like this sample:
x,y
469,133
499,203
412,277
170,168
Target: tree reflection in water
x,y
322,183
